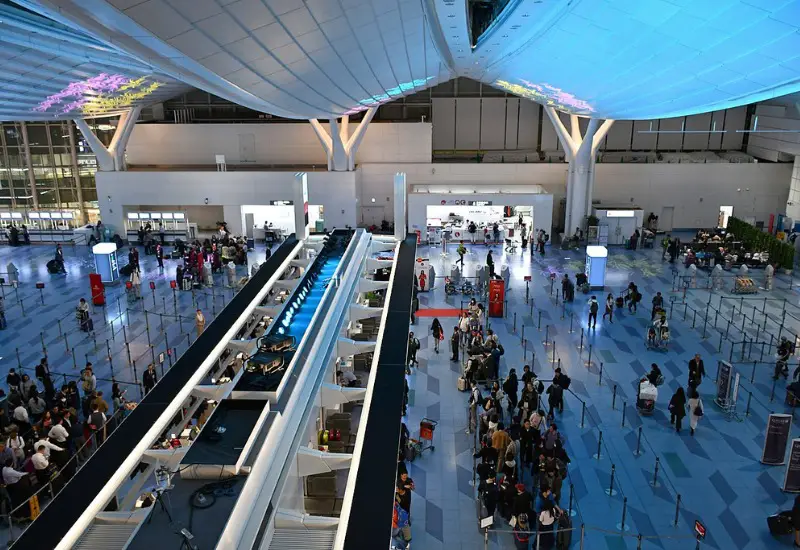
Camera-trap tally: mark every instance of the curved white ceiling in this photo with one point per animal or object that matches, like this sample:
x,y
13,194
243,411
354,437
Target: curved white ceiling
x,y
621,59
49,71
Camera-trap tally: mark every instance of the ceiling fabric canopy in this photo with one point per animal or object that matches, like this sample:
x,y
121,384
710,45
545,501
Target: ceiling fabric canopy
x,y
620,59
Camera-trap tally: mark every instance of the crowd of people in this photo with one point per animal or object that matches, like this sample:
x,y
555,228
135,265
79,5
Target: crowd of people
x,y
43,428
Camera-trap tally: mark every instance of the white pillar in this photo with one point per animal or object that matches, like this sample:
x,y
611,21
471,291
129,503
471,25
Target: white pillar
x,y
111,158
400,206
793,202
300,196
580,152
232,214
339,145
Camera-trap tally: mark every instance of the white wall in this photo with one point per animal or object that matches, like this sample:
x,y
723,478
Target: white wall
x,y
542,206
336,191
651,186
280,144
497,123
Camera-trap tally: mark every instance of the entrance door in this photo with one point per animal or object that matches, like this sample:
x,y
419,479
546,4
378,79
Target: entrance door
x,y
666,218
372,215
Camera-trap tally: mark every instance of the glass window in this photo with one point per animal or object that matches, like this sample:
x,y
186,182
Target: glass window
x,y
37,135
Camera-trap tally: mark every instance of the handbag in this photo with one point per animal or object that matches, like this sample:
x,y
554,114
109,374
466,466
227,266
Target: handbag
x,y
698,411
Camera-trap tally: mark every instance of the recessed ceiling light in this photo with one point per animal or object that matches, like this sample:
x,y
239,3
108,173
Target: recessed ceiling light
x,y
451,15
524,15
505,36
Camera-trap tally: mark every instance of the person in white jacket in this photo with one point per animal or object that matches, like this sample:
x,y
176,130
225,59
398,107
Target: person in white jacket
x,y
695,405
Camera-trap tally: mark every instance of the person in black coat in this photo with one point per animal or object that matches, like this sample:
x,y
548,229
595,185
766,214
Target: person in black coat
x,y
490,495
510,388
796,521
697,371
454,340
149,378
677,408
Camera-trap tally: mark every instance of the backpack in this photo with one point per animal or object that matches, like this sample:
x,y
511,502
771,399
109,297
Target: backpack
x,y
500,349
95,421
594,307
565,381
416,344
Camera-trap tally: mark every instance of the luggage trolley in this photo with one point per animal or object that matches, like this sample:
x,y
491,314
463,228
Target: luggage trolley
x,y
425,441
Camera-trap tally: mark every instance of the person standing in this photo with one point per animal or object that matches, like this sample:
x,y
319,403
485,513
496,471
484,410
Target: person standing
x,y
510,387
438,334
795,519
161,234
609,308
160,255
697,371
413,346
60,259
594,307
150,378
677,408
696,409
199,321
454,340
490,264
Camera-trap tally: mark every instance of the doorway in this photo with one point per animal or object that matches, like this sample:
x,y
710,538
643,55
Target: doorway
x,y
665,221
725,212
372,215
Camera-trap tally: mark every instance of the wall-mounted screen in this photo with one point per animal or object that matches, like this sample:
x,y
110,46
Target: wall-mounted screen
x,y
33,215
67,215
167,215
44,215
155,215
5,215
16,215
133,215
144,215
55,215
620,214
180,216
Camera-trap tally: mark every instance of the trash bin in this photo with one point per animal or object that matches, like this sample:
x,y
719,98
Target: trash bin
x,y
98,289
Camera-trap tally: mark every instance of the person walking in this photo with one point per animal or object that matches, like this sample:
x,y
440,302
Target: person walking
x,y
438,334
696,410
677,408
633,297
411,354
609,308
461,250
697,371
150,378
594,307
490,264
658,304
136,282
60,259
199,321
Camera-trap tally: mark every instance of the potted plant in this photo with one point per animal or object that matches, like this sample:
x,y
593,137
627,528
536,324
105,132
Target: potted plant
x,y
787,258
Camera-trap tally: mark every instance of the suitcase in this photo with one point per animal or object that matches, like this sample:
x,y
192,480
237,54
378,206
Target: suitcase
x,y
175,255
564,536
186,284
620,302
780,523
462,384
126,270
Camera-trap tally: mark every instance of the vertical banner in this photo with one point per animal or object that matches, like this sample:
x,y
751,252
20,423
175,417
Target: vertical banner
x,y
779,426
724,373
791,481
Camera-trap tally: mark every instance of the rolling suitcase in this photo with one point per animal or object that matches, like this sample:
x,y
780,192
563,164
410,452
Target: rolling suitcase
x,y
564,536
126,270
780,523
462,384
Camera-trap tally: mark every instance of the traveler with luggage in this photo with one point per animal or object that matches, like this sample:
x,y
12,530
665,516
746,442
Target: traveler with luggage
x,y
461,250
609,308
547,519
59,259
490,264
633,297
82,314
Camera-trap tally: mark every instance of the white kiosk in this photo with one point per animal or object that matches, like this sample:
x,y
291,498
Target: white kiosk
x,y
105,261
596,258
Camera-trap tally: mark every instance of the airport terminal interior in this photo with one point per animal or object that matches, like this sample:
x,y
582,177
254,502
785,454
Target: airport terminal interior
x,y
356,274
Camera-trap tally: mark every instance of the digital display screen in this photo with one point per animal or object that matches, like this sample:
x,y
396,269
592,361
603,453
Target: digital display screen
x,y
166,215
16,215
55,215
144,215
67,215
133,215
155,215
281,203
44,215
180,216
5,215
33,215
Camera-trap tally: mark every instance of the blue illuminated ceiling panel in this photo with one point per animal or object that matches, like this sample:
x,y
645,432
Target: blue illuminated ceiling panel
x,y
621,59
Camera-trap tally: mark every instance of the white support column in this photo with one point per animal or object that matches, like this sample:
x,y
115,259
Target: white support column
x,y
111,158
339,145
400,206
581,153
793,202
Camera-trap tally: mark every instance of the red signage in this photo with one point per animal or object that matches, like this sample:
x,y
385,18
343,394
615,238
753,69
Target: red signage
x,y
497,295
527,278
699,528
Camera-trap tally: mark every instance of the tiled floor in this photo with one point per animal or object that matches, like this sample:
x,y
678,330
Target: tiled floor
x,y
162,320
717,472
